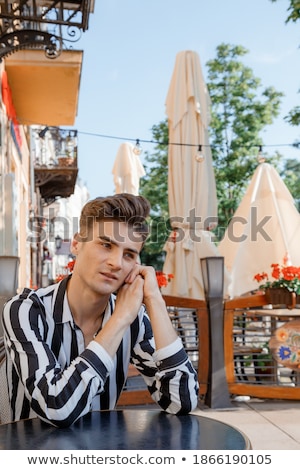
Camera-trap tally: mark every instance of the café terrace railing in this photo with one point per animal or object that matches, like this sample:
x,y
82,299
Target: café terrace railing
x,y
249,369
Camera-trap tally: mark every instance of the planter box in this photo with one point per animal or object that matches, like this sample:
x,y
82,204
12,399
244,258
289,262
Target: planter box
x,y
65,161
279,296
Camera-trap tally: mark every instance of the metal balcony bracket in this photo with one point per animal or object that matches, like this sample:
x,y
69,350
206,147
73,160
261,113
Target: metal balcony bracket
x,y
55,183
42,24
26,39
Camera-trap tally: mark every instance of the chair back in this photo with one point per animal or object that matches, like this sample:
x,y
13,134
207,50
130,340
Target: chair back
x,y
9,269
9,278
252,368
4,397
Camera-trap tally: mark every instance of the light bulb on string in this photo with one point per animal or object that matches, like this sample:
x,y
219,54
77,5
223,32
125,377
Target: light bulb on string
x,y
70,143
199,154
137,149
260,157
43,132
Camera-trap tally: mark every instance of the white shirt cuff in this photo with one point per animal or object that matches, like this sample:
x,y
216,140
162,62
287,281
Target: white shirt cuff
x,y
168,351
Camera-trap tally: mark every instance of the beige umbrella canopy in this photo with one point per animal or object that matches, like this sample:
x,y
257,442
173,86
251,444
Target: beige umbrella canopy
x,y
264,230
127,170
188,112
191,182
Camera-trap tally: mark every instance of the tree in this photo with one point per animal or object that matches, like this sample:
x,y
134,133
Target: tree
x,y
240,111
290,176
154,186
293,9
293,117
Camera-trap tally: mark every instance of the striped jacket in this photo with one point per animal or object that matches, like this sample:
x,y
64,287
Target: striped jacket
x,y
51,374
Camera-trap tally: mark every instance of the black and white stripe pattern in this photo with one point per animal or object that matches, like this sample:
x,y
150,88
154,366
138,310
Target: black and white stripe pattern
x,y
51,374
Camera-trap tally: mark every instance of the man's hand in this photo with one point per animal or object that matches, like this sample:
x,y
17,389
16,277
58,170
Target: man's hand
x,y
150,286
130,297
163,330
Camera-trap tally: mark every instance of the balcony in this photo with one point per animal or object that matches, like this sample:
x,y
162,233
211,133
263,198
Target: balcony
x,y
55,162
42,24
43,71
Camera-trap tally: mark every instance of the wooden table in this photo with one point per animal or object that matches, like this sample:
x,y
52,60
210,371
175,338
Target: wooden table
x,y
125,429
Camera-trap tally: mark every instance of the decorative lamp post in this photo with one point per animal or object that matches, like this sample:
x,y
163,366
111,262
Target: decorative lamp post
x,y
58,243
213,279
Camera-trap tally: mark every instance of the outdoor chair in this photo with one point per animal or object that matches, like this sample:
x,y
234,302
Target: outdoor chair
x,y
9,268
250,323
4,400
243,351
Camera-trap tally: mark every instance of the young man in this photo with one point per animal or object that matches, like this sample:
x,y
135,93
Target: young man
x,y
69,345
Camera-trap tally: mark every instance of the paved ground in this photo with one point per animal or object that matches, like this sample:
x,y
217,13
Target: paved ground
x,y
269,424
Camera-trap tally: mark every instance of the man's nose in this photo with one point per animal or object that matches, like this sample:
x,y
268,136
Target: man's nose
x,y
115,259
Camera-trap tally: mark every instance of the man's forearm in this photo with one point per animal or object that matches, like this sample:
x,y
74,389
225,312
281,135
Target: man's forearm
x,y
163,331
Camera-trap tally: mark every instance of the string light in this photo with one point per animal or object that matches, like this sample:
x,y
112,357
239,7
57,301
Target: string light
x,y
43,132
260,157
199,154
137,149
166,143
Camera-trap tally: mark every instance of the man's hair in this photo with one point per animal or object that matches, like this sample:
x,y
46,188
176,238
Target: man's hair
x,y
123,207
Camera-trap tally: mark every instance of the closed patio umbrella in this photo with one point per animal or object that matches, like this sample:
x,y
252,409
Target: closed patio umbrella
x,y
127,170
191,182
193,209
265,229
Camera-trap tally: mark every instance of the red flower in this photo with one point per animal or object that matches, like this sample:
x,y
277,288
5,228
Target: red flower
x,y
70,265
285,276
163,279
60,277
290,272
68,269
260,277
276,271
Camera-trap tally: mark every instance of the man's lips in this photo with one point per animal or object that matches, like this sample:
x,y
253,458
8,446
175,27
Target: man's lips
x,y
110,276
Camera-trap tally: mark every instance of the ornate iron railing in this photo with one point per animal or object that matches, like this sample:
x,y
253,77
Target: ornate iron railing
x,y
42,24
55,161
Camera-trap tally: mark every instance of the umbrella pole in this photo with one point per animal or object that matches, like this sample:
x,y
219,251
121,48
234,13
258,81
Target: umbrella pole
x,y
217,395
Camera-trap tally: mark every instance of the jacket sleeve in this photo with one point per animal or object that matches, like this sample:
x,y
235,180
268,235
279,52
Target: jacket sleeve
x,y
168,372
56,391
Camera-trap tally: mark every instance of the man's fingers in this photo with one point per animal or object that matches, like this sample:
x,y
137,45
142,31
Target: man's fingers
x,y
133,274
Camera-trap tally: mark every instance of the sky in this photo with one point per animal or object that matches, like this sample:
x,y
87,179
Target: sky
x,y
129,56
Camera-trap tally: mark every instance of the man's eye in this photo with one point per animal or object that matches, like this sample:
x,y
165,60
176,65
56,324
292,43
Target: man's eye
x,y
105,245
129,255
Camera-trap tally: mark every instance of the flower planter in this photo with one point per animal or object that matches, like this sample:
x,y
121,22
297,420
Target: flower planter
x,y
264,369
282,296
282,288
65,161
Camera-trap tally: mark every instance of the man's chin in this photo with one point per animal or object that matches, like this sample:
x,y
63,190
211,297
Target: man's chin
x,y
107,289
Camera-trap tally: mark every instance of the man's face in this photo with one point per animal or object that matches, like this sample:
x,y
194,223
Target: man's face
x,y
108,255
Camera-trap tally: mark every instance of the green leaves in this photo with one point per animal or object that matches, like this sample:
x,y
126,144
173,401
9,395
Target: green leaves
x,y
241,109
